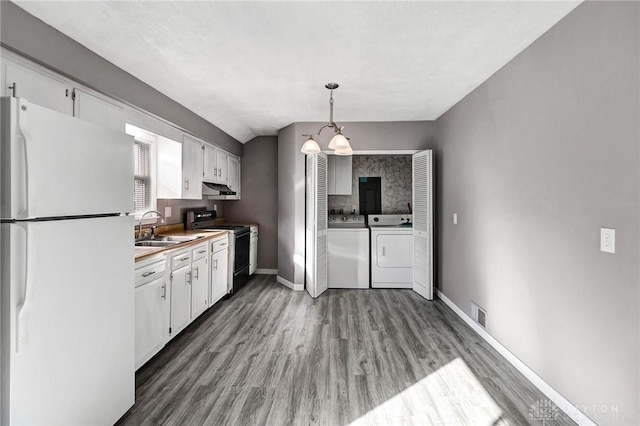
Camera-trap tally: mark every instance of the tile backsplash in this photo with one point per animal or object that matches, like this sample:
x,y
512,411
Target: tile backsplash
x,y
395,173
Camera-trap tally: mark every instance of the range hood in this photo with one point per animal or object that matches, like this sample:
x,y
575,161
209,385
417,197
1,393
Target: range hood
x,y
216,189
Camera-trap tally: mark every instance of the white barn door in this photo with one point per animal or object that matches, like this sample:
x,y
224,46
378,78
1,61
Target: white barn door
x,y
316,280
423,224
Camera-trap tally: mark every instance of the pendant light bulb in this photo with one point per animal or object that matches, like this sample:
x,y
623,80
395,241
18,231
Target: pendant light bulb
x,y
310,146
339,141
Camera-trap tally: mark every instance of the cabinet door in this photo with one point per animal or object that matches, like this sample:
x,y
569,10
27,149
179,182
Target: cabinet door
x,y
331,174
210,171
152,319
394,251
223,168
199,287
219,269
38,88
343,173
91,108
234,177
191,169
180,299
169,166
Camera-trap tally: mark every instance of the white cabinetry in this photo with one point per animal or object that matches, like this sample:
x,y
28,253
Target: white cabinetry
x,y
216,169
200,280
191,169
97,110
180,291
169,166
234,177
339,175
152,309
40,88
253,250
219,268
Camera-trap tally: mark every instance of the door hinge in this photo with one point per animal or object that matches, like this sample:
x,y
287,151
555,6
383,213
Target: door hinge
x,y
169,330
171,276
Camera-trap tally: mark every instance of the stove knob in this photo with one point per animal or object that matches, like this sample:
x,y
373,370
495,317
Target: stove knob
x,y
376,219
344,218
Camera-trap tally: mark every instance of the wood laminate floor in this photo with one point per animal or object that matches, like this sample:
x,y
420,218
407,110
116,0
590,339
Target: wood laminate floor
x,y
274,356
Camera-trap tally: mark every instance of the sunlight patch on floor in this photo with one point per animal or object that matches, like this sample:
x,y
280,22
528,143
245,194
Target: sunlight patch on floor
x,y
449,396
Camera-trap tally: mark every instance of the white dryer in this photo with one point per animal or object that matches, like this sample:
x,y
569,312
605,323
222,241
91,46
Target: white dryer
x,y
391,251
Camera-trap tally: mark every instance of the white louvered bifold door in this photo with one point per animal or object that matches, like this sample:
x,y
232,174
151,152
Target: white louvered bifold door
x,y
423,224
316,281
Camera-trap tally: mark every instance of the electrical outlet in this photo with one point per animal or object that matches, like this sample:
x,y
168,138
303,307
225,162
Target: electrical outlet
x,y
455,218
167,212
608,240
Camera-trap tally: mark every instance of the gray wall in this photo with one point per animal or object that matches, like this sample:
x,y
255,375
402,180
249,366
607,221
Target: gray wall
x,y
534,162
179,208
259,203
32,38
408,135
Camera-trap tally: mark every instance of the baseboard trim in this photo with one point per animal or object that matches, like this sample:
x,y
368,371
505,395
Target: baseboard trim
x,y
570,410
289,284
267,271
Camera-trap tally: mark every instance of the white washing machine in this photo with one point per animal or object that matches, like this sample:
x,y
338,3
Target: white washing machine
x,y
348,252
391,251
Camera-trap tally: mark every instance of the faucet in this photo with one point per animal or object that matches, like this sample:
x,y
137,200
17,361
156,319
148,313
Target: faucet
x,y
153,227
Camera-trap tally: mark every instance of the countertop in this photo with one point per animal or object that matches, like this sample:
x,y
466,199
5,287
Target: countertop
x,y
142,253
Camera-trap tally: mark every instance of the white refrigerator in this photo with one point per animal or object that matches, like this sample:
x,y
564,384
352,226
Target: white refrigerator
x,y
67,269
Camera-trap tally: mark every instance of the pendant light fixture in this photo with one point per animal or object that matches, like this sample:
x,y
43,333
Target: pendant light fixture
x,y
339,142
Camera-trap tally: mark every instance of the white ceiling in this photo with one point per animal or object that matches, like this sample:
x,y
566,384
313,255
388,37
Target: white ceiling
x,y
252,68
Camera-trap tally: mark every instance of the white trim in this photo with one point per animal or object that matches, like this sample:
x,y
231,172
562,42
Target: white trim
x,y
378,152
571,410
266,271
289,284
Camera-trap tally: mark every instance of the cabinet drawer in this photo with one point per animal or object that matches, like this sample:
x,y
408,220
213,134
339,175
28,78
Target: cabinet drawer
x,y
219,244
199,252
150,272
180,260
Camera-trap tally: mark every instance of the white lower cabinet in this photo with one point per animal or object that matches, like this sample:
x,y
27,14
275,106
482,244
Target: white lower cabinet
x,y
199,280
152,305
219,268
180,291
253,250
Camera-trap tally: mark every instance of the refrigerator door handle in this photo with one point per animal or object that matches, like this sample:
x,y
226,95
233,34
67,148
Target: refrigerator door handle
x,y
25,288
21,178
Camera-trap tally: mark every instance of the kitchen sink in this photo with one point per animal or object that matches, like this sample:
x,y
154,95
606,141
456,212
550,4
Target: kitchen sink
x,y
156,243
175,238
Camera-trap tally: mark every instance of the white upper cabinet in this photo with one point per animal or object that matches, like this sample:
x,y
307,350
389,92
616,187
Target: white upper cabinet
x,y
37,87
191,168
215,165
234,177
339,175
169,166
97,110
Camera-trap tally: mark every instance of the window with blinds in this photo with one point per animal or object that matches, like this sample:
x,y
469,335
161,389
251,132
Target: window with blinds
x,y
142,177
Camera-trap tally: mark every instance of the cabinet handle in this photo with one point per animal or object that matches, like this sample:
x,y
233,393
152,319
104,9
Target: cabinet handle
x,y
219,172
13,90
188,277
202,251
164,291
197,272
383,253
215,263
146,274
182,259
186,184
223,244
215,171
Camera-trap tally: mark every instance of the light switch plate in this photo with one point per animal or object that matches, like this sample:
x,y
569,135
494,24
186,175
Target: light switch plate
x,y
167,212
455,218
608,240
